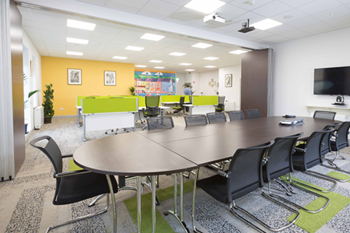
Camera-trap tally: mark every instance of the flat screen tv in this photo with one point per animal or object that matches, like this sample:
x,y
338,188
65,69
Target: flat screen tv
x,y
332,81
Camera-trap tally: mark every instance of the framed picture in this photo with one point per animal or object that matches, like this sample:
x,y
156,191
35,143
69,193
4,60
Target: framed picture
x,y
74,77
228,80
110,78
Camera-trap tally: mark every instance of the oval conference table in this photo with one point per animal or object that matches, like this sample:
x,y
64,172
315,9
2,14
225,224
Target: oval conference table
x,y
158,152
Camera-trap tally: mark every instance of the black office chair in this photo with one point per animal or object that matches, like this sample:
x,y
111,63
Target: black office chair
x,y
165,122
253,113
340,139
244,176
179,107
152,108
74,186
197,119
221,104
236,115
326,142
324,115
279,163
216,117
309,155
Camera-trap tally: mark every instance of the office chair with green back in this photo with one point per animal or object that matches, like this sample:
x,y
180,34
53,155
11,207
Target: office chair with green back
x,y
179,106
221,104
152,108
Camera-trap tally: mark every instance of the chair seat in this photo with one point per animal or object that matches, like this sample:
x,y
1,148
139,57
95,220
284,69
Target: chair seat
x,y
215,186
177,108
298,161
340,146
219,109
80,187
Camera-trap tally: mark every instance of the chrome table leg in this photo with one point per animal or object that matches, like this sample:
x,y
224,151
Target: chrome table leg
x,y
78,116
113,205
139,179
154,204
194,200
84,128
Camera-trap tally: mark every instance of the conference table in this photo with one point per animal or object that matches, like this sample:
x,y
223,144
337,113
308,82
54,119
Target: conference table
x,y
172,151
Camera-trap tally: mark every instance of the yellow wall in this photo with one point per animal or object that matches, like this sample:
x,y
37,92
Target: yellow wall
x,y
55,71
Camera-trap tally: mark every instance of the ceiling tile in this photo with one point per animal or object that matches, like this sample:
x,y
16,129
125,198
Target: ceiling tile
x,y
303,22
317,28
253,18
296,33
272,8
151,14
319,6
160,7
344,1
332,13
280,29
296,14
186,15
242,4
177,2
229,11
260,34
119,7
275,38
296,3
340,22
94,2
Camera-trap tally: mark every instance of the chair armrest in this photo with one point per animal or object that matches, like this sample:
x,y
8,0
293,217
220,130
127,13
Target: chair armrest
x,y
67,156
299,149
63,174
217,170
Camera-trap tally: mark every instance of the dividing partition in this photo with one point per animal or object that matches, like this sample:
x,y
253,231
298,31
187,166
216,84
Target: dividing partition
x,y
202,104
173,99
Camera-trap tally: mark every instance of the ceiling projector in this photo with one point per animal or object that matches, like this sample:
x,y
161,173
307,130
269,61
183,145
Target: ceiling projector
x,y
214,17
246,28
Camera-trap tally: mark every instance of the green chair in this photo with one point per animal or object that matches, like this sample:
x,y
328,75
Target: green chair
x,y
221,104
179,106
152,108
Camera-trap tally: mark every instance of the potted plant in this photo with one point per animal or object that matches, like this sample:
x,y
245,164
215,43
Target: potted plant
x,y
132,90
48,104
30,94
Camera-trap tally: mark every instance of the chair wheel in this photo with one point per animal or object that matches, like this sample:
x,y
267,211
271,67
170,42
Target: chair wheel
x,y
166,214
106,133
112,131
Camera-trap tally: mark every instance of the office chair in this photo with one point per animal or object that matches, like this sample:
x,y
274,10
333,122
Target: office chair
x,y
309,155
165,122
197,119
179,107
324,115
152,108
279,163
74,186
221,104
326,142
253,113
236,115
216,117
340,139
244,176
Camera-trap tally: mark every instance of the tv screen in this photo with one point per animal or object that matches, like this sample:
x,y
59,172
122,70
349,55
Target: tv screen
x,y
332,81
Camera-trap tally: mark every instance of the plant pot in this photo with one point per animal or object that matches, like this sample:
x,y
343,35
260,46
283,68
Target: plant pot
x,y
47,120
25,128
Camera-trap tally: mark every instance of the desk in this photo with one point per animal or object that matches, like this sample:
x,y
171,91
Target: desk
x,y
202,109
182,149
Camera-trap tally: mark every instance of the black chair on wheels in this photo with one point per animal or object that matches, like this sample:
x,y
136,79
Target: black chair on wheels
x,y
152,108
179,107
165,122
197,119
216,117
324,115
221,104
253,113
74,186
279,163
244,176
236,115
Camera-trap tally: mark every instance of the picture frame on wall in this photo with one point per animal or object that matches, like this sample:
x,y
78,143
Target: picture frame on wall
x,y
110,78
74,77
228,80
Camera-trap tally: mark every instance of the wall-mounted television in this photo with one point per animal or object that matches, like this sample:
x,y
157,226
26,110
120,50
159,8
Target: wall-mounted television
x,y
332,81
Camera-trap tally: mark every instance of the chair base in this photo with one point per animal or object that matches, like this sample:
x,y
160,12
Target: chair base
x,y
317,175
83,217
234,208
177,217
189,173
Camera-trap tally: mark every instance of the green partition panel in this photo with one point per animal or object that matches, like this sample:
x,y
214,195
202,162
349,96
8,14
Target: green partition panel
x,y
205,100
108,105
187,98
78,101
174,98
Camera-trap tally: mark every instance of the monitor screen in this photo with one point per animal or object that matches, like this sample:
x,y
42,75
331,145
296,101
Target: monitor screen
x,y
332,81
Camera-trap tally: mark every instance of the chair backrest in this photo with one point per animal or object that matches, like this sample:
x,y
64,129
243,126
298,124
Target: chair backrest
x,y
152,101
192,120
216,117
324,115
342,134
165,122
245,171
280,157
51,150
221,99
182,101
253,113
313,147
236,115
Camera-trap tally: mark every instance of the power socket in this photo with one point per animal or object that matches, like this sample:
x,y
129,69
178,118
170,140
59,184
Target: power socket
x,y
61,109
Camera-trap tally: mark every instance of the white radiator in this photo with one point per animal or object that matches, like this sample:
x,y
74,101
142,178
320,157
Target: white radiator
x,y
38,117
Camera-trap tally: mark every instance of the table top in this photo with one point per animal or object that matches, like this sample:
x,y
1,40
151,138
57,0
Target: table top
x,y
181,149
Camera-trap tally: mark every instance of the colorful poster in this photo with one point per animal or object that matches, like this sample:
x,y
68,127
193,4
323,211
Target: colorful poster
x,y
155,82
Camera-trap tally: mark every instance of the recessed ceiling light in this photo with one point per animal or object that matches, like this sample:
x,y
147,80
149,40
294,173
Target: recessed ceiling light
x,y
210,58
159,67
177,54
288,16
156,61
119,57
190,70
331,14
74,53
209,66
266,24
77,41
205,6
154,37
143,66
80,25
134,48
185,64
202,45
240,51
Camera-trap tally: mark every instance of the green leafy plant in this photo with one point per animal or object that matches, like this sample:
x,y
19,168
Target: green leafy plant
x,y
185,85
48,104
30,94
24,77
132,90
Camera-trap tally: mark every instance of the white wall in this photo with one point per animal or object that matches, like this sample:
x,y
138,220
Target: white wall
x,y
35,81
232,94
180,82
204,79
295,62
